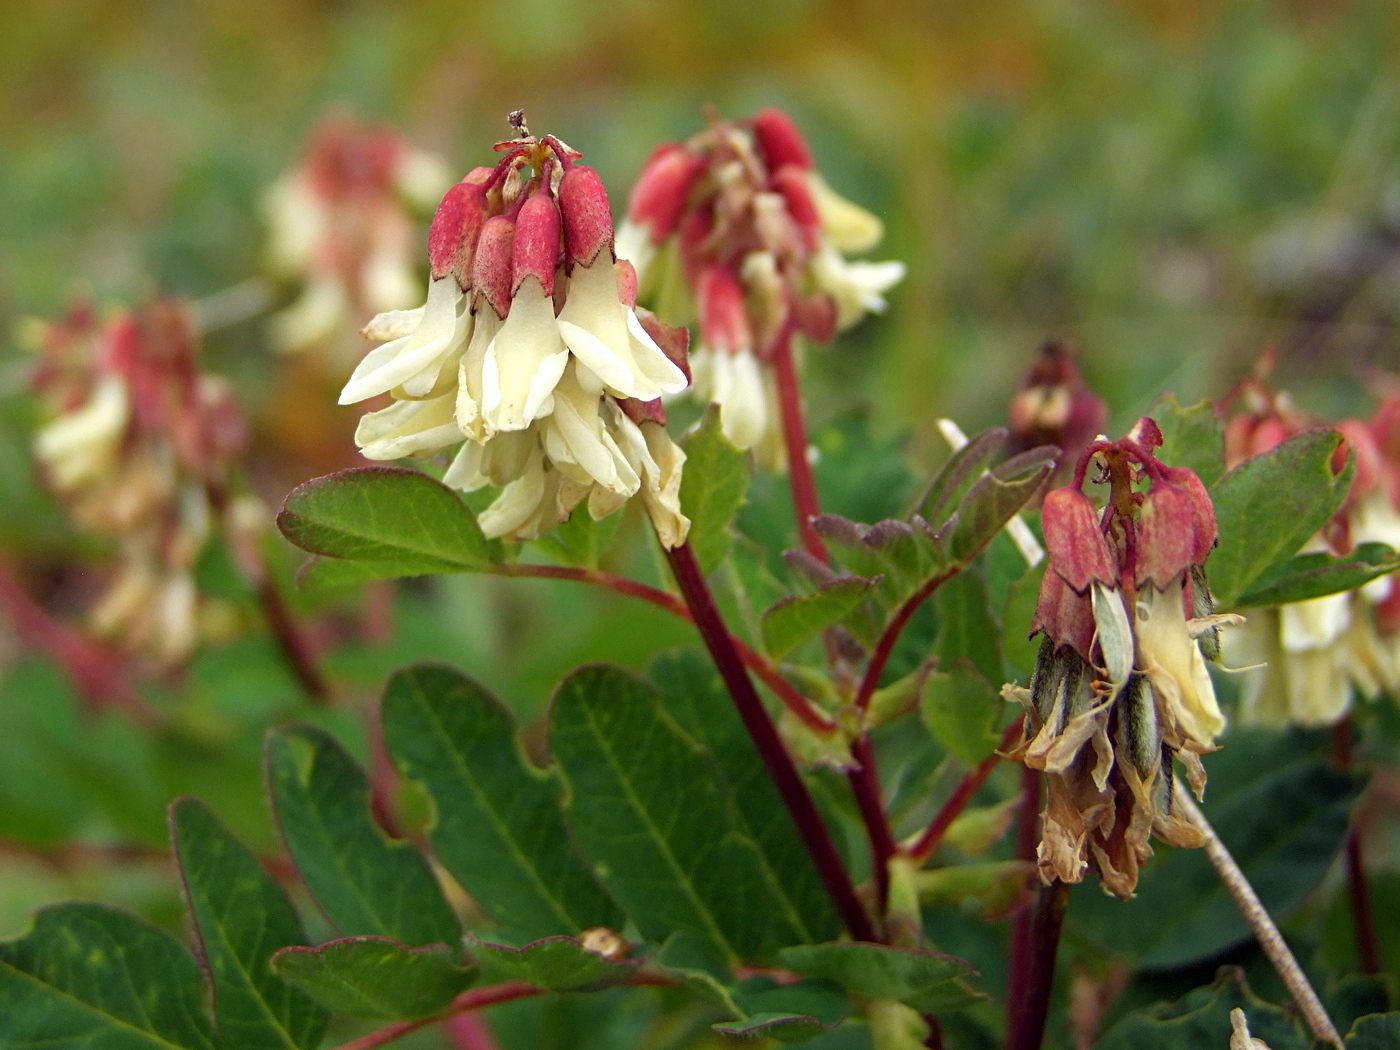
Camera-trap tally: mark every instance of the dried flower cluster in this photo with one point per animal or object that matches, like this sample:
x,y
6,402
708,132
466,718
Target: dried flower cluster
x,y
1317,653
1121,689
138,450
530,350
734,229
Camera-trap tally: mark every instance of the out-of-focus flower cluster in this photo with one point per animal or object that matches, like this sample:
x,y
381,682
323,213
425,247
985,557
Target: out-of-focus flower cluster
x,y
1316,653
138,449
735,230
1054,406
341,225
530,351
1120,689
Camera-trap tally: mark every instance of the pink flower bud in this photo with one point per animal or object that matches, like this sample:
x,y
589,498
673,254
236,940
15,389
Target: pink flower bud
x,y
779,141
456,227
1369,462
588,225
493,265
662,188
791,182
724,322
1147,433
536,249
1078,551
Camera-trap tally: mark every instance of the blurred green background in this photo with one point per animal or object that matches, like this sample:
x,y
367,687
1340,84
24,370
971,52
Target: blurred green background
x,y
1172,185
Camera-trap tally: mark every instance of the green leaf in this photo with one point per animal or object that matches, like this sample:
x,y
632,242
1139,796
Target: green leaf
x,y
377,977
242,917
695,696
1318,574
1191,437
789,1013
992,500
693,960
793,620
499,827
86,975
649,808
1375,1032
318,573
1269,506
1018,614
1284,828
713,487
396,518
556,964
580,540
967,630
961,710
927,981
366,882
1201,1021
958,474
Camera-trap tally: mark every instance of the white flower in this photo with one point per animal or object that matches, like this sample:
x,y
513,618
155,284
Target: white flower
x,y
523,363
409,428
609,341
84,446
848,226
415,362
1173,663
856,287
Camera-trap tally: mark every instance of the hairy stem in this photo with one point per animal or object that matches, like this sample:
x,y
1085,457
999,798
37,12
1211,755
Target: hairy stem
x,y
804,487
932,836
1259,921
794,701
1030,1008
765,738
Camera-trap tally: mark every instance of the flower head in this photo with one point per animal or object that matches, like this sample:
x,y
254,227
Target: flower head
x,y
1120,689
529,352
736,230
341,224
1309,658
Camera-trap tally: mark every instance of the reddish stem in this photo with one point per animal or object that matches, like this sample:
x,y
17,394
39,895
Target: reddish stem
x,y
794,701
884,648
296,647
475,999
804,487
1362,918
1020,949
765,738
95,671
971,783
1029,1010
469,1031
865,785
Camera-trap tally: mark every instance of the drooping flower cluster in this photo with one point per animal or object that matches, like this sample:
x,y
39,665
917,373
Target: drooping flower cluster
x,y
342,223
530,351
1315,654
1121,689
1054,407
735,230
139,450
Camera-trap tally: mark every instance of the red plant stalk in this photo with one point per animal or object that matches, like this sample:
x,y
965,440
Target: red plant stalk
x,y
932,836
770,747
1362,917
1020,947
1030,1008
804,487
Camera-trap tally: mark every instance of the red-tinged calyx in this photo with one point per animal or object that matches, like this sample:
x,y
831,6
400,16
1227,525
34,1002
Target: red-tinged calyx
x,y
588,225
724,321
815,316
1147,434
493,265
640,412
457,226
626,282
1202,510
660,194
1066,618
1079,553
536,249
779,141
791,182
674,341
1166,530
